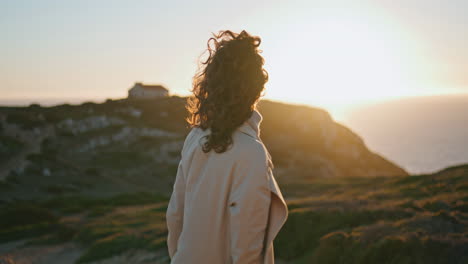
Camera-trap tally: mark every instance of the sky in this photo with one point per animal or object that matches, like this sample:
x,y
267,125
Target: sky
x,y
331,54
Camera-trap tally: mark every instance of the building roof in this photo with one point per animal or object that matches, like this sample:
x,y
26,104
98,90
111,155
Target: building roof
x,y
151,86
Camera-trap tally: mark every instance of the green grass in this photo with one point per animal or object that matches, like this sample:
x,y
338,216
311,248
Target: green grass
x,y
417,219
104,226
116,232
9,147
75,204
24,213
120,160
111,246
28,119
20,219
343,248
363,221
24,219
304,228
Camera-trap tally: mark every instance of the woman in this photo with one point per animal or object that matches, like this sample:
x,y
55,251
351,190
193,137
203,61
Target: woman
x,y
226,206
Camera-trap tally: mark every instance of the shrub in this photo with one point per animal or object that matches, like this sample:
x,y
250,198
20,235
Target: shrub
x,y
21,219
303,230
8,147
22,213
338,248
26,120
109,247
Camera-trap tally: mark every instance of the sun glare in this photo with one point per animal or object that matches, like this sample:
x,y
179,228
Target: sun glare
x,y
336,63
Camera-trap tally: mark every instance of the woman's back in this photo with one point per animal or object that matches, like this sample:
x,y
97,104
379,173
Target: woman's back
x,y
226,206
226,199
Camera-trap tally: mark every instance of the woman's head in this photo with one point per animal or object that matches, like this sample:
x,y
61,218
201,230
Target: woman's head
x,y
226,87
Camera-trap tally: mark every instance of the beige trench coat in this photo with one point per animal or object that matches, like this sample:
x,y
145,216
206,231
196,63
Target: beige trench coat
x,y
225,208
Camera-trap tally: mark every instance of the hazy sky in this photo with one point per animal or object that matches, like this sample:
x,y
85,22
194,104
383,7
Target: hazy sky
x,y
326,53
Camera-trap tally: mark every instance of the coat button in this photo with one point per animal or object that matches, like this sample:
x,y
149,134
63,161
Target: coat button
x,y
232,204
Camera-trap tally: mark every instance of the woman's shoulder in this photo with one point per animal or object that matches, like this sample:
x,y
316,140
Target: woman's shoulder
x,y
251,150
244,148
192,135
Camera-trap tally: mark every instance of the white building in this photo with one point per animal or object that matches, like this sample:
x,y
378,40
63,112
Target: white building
x,y
140,90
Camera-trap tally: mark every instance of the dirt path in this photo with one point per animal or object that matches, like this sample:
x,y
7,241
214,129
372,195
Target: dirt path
x,y
47,254
69,253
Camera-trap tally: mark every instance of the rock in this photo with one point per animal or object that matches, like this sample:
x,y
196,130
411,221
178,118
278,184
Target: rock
x,y
46,172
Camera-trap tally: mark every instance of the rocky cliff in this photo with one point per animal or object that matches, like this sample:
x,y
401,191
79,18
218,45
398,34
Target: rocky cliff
x,y
134,145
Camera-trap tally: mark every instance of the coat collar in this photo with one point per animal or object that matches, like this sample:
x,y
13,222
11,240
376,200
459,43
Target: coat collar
x,y
251,126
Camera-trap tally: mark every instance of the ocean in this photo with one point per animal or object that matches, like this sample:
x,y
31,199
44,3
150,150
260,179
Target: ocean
x,y
422,135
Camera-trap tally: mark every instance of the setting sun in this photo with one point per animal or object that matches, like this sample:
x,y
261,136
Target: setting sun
x,y
335,62
330,54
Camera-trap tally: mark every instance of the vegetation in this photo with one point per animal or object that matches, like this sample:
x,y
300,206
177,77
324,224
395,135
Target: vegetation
x,y
9,146
21,219
361,220
418,219
105,226
104,173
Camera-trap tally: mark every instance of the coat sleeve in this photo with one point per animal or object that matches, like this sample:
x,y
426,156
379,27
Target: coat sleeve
x,y
175,211
249,204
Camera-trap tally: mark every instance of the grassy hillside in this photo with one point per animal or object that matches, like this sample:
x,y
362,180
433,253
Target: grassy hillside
x,y
91,182
134,146
417,219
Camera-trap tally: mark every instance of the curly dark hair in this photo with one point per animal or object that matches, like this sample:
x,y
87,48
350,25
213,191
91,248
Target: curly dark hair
x,y
226,87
